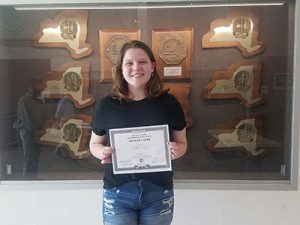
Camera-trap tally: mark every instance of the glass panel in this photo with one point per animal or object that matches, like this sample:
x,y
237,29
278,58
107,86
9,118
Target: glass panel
x,y
234,79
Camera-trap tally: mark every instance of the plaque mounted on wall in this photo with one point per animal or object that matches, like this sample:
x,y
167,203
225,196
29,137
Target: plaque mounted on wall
x,y
243,133
71,134
242,80
173,51
111,42
67,30
239,29
71,80
182,93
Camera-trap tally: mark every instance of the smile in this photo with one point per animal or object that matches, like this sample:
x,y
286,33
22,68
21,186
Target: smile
x,y
137,75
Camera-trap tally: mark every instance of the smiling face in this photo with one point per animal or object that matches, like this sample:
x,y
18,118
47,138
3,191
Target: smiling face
x,y
135,76
137,68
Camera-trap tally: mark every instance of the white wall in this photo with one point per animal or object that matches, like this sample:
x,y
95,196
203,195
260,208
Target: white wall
x,y
192,207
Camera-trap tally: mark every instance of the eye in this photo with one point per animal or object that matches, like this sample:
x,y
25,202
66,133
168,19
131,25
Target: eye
x,y
128,64
143,62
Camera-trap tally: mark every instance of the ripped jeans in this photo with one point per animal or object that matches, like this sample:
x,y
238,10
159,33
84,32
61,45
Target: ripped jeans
x,y
138,203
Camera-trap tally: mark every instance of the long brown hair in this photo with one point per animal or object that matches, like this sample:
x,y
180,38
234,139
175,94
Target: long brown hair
x,y
154,87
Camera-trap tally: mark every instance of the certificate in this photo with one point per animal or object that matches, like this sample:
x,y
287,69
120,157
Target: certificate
x,y
140,149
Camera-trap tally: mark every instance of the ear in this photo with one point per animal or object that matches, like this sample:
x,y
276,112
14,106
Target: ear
x,y
153,66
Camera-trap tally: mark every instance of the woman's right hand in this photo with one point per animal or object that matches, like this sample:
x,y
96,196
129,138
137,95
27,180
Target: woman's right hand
x,y
106,154
99,149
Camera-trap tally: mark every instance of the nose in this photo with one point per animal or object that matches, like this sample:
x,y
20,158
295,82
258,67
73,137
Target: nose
x,y
136,66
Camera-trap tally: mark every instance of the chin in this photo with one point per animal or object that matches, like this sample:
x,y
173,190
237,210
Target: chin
x,y
138,85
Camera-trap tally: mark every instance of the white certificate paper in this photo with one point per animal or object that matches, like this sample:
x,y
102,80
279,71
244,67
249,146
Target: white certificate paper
x,y
140,149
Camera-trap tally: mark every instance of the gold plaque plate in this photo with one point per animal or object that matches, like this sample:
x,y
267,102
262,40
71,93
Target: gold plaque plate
x,y
243,133
111,42
173,51
239,29
71,134
241,80
67,30
71,80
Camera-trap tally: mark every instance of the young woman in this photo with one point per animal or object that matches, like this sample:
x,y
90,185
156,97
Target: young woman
x,y
138,99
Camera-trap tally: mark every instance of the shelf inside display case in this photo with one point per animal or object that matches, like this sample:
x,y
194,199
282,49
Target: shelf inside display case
x,y
224,61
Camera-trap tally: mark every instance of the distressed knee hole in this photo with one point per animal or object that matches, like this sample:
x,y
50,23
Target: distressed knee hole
x,y
108,206
168,202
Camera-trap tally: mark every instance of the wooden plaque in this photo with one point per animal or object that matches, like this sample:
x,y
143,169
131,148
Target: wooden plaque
x,y
71,134
241,80
243,133
173,51
111,42
239,29
182,92
67,30
71,80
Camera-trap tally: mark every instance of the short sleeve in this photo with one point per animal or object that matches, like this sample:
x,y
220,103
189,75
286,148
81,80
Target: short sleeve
x,y
98,124
178,119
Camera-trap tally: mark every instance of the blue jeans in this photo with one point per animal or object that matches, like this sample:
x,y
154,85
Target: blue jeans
x,y
138,203
31,152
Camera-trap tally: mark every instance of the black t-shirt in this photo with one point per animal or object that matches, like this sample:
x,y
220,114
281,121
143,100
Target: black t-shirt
x,y
112,113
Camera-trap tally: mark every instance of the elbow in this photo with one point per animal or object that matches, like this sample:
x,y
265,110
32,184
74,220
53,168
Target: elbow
x,y
92,148
184,148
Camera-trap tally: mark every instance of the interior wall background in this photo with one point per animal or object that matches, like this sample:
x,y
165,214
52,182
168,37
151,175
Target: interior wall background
x,y
21,61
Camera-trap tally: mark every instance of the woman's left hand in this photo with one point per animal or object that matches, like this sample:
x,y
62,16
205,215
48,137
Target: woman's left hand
x,y
176,149
179,145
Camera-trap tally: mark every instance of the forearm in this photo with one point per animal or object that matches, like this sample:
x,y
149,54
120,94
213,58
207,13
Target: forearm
x,y
182,147
97,150
179,145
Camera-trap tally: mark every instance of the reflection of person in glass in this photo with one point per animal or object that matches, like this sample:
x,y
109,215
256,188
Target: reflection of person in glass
x,y
30,118
65,109
138,99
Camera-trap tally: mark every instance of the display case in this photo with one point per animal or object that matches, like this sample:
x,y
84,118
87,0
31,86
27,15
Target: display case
x,y
231,64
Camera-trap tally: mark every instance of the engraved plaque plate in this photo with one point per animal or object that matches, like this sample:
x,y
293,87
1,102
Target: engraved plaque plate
x,y
173,48
246,132
241,80
111,42
113,47
67,30
239,29
71,80
71,134
173,71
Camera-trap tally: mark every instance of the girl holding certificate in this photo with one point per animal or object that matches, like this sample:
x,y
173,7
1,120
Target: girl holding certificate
x,y
138,99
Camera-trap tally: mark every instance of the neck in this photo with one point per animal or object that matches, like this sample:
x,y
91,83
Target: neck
x,y
29,93
32,94
137,93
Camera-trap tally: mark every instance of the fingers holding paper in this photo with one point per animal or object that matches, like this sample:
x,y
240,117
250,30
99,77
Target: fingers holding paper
x,y
99,149
173,147
106,155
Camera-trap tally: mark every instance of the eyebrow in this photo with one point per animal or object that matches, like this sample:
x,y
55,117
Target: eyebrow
x,y
138,59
